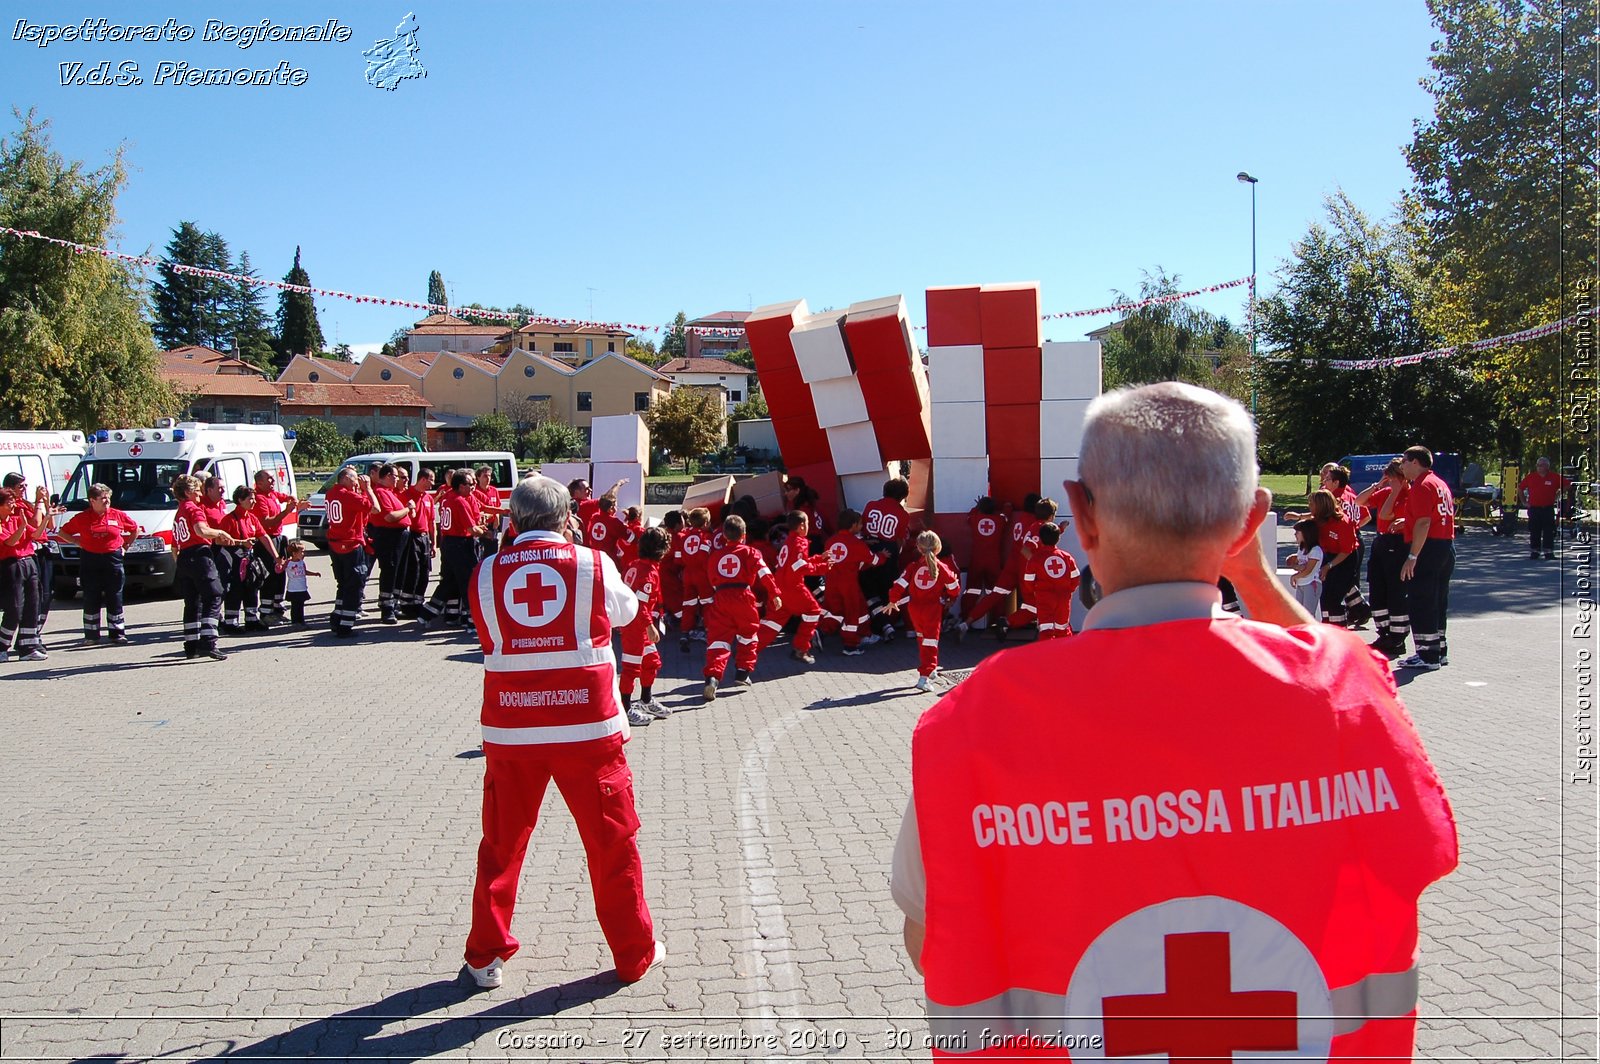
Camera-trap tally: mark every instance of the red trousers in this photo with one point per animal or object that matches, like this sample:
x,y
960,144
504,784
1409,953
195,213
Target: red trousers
x,y
796,601
847,609
1000,588
980,578
640,659
732,618
1055,616
926,618
696,597
597,786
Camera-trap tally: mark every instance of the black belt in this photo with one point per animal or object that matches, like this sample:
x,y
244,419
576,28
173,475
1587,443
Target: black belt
x,y
190,550
731,587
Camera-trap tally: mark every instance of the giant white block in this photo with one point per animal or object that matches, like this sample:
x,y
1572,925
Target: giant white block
x,y
854,448
862,489
1061,427
619,438
838,401
959,430
1268,535
1071,370
1052,471
608,473
958,483
820,348
955,374
566,472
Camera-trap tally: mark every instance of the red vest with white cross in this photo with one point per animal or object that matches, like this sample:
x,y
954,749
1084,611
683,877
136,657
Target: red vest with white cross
x,y
549,674
1223,819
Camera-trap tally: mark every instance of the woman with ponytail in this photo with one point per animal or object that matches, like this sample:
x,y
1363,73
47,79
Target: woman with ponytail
x,y
928,583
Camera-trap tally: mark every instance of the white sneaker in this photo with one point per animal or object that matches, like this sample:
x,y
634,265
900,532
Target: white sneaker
x,y
961,630
870,640
656,709
36,654
923,683
490,975
638,717
853,652
1415,661
655,960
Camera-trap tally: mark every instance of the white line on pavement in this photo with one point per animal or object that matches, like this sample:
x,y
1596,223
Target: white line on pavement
x,y
769,967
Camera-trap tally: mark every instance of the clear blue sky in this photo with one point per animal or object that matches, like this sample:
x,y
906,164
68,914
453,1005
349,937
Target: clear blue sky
x,y
717,155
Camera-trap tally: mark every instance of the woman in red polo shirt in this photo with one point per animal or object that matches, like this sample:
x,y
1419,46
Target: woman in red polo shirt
x,y
101,533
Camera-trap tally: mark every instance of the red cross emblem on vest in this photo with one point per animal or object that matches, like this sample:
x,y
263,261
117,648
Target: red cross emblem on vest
x,y
987,526
1055,567
534,595
837,553
1199,980
925,579
728,565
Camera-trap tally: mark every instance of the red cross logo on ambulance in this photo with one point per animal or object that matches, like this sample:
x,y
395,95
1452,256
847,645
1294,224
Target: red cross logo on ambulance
x,y
1141,986
534,595
135,451
925,579
728,565
1055,567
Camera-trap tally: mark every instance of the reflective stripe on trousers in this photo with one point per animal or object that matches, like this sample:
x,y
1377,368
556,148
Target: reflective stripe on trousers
x,y
1384,995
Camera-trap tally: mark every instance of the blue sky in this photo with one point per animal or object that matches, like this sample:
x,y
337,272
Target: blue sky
x,y
718,155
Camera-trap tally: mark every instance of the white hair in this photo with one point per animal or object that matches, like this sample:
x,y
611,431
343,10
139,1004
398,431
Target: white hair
x,y
539,504
1170,460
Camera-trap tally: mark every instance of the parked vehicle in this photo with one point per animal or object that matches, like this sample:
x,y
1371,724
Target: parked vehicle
x,y
313,515
45,457
139,465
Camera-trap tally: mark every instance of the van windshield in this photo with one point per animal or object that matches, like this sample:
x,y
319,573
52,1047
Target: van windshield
x,y
135,483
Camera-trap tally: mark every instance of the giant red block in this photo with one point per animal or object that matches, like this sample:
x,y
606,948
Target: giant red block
x,y
801,441
787,395
1014,432
905,437
890,394
879,335
1011,376
767,330
1012,478
1009,315
953,316
955,532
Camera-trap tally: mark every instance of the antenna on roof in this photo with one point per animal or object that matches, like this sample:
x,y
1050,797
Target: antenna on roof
x,y
592,291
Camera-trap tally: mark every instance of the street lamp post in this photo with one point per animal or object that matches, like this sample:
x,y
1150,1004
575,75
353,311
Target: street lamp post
x,y
1251,181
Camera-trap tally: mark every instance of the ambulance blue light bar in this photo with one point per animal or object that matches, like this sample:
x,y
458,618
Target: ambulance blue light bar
x,y
179,435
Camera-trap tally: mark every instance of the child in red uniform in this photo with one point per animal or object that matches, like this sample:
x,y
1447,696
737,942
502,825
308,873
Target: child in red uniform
x,y
605,530
736,570
988,527
795,563
633,521
1052,574
843,599
692,553
1023,523
928,583
640,659
1044,512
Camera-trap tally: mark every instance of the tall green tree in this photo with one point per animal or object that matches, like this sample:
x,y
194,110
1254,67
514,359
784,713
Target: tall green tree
x,y
436,290
676,343
687,423
298,330
75,349
1174,342
247,317
191,308
1354,290
1505,188
493,432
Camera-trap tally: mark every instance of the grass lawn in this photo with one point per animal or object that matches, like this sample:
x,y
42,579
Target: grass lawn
x,y
1288,490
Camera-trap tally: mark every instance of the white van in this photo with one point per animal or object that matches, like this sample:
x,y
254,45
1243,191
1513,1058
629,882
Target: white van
x,y
43,457
139,464
313,516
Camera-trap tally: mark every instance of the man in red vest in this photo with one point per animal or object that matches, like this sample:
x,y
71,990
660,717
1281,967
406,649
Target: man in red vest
x,y
544,610
1216,843
1540,491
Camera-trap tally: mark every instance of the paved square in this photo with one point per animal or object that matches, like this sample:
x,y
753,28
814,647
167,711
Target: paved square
x,y
273,857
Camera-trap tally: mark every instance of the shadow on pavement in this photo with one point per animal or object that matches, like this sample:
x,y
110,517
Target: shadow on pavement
x,y
358,1034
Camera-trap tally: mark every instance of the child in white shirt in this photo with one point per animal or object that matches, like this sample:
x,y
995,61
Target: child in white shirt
x,y
295,587
1307,563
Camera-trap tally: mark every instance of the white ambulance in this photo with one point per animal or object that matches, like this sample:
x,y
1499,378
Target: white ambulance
x,y
42,457
139,464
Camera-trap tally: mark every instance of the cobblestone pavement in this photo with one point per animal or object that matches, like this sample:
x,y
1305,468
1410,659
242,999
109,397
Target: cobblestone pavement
x,y
273,857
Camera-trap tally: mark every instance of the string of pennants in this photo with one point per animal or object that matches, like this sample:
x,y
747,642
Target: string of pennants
x,y
706,330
